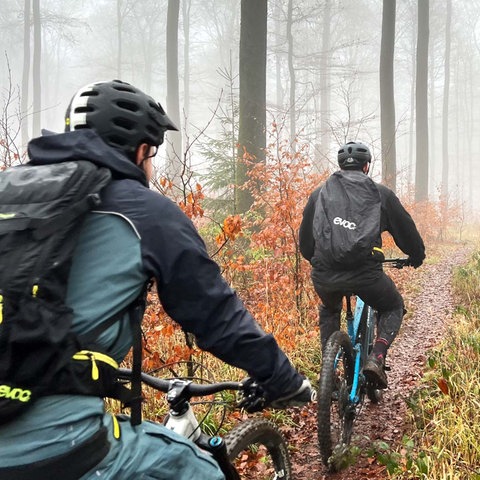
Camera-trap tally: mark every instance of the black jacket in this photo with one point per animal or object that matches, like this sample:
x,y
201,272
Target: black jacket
x,y
169,249
394,219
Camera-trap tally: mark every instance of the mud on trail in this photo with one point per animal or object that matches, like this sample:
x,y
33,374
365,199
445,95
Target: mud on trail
x,y
431,306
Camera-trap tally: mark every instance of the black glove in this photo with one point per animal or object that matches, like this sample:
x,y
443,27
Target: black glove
x,y
254,396
414,262
298,398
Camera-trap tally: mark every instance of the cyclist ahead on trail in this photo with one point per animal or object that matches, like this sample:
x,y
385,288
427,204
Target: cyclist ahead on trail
x,y
135,234
340,235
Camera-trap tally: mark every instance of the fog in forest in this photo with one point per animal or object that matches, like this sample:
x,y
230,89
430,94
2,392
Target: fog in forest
x,y
323,62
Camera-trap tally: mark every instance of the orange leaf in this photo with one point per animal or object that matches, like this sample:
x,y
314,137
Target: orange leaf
x,y
443,386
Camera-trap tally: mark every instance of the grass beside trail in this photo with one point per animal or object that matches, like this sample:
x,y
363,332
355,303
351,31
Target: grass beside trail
x,y
444,442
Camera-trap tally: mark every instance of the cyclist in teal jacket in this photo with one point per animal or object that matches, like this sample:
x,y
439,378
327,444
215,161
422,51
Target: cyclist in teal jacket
x,y
136,234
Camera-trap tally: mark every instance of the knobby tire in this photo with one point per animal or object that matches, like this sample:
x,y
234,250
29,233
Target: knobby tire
x,y
253,433
334,418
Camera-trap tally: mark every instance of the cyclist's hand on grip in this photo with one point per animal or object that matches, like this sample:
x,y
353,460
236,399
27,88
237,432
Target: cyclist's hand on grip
x,y
253,397
414,262
298,398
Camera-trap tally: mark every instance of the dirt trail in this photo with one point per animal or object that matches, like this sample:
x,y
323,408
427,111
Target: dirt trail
x,y
432,311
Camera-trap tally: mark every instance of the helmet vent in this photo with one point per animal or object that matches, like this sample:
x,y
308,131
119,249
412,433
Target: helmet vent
x,y
124,123
157,107
84,109
123,87
89,93
130,106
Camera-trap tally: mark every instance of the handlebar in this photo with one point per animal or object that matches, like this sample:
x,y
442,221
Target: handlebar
x,y
397,262
189,388
252,397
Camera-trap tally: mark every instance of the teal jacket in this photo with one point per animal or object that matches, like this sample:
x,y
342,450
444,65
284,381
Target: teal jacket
x,y
135,235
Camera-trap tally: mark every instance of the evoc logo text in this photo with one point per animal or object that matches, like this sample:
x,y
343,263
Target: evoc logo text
x,y
15,393
344,223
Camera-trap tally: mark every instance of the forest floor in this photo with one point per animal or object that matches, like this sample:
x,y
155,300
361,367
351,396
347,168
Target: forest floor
x,y
432,306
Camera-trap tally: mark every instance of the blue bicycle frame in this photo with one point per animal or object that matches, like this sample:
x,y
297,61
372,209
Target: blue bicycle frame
x,y
358,343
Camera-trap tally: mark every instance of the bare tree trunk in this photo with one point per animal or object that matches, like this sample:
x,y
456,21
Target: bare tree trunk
x,y
174,147
387,98
37,55
470,104
446,92
186,5
421,172
252,105
119,38
325,91
278,58
25,71
411,137
432,126
291,74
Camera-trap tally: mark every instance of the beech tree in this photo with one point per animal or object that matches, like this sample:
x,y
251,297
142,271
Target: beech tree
x,y
252,106
387,97
174,144
325,88
421,103
26,68
37,77
446,93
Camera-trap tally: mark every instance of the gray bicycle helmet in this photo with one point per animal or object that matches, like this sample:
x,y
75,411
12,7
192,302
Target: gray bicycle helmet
x,y
120,113
354,155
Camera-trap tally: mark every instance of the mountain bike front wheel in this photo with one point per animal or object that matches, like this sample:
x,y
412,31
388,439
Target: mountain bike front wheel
x,y
258,450
335,412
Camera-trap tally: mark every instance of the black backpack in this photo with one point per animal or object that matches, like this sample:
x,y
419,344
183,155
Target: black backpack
x,y
42,208
346,224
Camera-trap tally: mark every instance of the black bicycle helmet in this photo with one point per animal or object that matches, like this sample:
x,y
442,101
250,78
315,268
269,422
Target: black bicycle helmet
x,y
354,155
120,113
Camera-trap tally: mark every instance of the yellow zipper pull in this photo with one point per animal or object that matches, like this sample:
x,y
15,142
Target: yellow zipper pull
x,y
116,427
1,309
94,368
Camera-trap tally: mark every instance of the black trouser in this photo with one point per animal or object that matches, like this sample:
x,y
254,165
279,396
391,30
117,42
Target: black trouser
x,y
381,294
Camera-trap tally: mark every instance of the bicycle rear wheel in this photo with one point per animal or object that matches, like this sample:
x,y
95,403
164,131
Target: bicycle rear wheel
x,y
335,413
258,450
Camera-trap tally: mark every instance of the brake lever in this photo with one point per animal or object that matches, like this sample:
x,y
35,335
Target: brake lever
x,y
252,396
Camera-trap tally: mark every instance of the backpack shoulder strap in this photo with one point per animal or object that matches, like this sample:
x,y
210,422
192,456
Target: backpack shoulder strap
x,y
133,397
